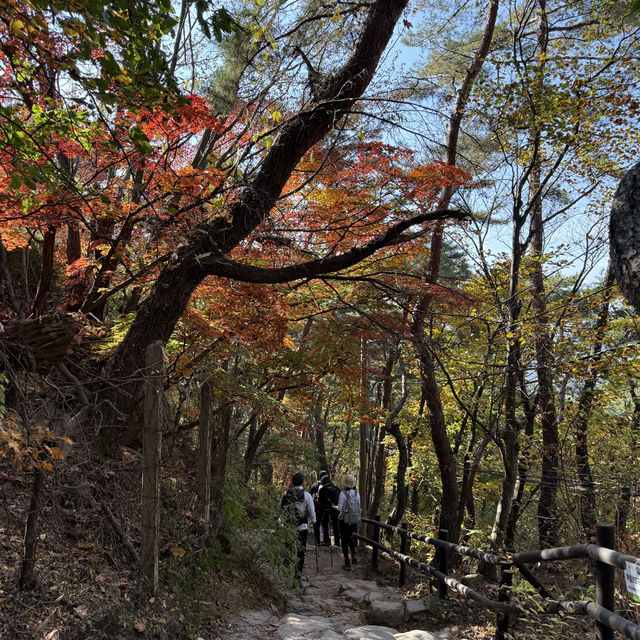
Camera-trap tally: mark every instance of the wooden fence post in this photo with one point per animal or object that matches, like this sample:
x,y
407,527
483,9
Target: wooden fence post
x,y
376,538
605,579
502,619
443,562
151,445
403,549
204,454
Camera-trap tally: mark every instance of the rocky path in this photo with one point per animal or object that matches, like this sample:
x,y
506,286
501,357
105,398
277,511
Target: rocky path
x,y
335,604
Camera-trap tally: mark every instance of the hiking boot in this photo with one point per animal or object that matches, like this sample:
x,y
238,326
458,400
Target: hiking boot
x,y
346,567
354,560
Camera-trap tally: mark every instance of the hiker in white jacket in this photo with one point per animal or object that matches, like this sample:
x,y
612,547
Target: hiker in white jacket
x,y
350,514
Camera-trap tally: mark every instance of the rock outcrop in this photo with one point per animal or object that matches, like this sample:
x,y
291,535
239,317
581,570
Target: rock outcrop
x,y
624,236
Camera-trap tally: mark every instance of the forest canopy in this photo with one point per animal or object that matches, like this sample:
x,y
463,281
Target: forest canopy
x,y
377,231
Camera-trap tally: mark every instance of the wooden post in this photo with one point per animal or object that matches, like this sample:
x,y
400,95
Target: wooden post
x,y
204,454
605,577
443,562
151,443
403,549
502,619
376,538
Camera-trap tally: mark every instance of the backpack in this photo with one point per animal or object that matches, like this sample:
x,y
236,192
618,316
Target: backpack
x,y
351,514
294,505
333,493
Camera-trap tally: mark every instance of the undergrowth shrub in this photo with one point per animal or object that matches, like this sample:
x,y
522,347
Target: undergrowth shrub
x,y
252,515
537,624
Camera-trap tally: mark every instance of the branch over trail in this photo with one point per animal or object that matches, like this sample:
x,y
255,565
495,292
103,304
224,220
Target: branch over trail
x,y
200,255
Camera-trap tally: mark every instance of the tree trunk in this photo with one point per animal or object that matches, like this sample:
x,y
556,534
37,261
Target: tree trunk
x,y
220,445
27,577
363,452
446,460
253,445
46,274
415,498
378,463
74,246
623,507
334,97
393,428
401,489
509,445
547,516
9,296
204,454
472,459
317,434
509,451
587,495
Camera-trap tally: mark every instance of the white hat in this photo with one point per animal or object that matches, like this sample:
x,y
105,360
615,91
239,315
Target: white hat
x,y
349,481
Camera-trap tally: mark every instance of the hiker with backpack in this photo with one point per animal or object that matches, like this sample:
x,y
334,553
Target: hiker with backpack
x,y
296,505
328,497
350,516
314,490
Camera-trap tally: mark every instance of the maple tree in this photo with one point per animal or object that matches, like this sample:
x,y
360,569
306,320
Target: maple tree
x,y
139,199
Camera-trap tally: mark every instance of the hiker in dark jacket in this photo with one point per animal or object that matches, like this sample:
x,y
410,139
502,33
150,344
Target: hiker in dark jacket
x,y
328,496
313,490
299,503
350,513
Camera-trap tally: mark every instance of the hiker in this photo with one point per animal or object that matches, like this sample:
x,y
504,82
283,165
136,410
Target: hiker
x,y
350,515
313,490
299,504
328,496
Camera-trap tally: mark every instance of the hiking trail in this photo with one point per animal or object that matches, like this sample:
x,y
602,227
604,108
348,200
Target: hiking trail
x,y
335,604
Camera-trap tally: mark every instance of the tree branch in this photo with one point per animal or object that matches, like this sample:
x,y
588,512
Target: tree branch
x,y
221,266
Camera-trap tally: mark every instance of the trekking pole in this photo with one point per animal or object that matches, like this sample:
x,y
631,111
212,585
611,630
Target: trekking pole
x,y
315,546
331,553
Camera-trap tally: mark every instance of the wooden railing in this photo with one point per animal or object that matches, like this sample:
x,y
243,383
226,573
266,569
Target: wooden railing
x,y
606,560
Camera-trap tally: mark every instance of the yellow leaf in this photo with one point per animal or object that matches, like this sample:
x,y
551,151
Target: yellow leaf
x,y
288,342
47,466
177,550
57,454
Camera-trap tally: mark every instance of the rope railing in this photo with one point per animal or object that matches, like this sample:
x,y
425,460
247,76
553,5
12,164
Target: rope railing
x,y
593,551
605,557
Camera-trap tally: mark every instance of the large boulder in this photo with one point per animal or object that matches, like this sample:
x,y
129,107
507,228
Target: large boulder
x,y
624,236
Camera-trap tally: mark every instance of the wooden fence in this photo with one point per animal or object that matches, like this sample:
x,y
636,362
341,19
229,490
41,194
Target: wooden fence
x,y
606,560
